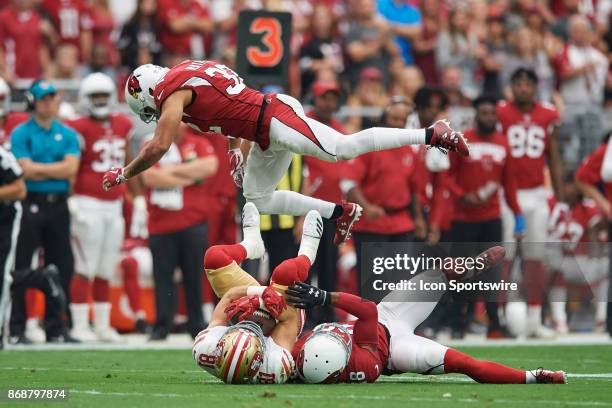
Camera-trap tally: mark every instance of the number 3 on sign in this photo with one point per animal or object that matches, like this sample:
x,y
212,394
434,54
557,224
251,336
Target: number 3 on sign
x,y
272,40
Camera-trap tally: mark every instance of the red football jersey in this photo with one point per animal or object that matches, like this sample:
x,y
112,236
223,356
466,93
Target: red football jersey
x,y
571,225
222,102
70,17
364,365
103,147
11,121
487,169
181,43
22,41
528,136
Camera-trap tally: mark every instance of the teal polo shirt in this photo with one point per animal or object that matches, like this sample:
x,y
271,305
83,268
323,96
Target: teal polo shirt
x,y
31,141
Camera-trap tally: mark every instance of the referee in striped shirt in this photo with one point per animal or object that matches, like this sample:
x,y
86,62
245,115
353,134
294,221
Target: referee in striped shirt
x,y
12,189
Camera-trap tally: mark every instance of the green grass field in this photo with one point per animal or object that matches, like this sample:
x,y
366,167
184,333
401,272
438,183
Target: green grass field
x,y
160,378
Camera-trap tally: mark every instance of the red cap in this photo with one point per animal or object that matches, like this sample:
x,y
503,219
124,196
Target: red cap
x,y
371,73
321,87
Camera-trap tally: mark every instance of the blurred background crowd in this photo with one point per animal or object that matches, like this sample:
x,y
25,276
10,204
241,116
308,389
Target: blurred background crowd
x,y
354,64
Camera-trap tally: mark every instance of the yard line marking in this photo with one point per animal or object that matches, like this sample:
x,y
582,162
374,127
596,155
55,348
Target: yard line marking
x,y
597,375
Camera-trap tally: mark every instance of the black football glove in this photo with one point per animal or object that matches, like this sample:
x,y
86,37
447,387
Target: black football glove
x,y
305,296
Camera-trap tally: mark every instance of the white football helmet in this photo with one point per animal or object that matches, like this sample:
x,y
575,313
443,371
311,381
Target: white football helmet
x,y
139,91
96,84
325,354
5,91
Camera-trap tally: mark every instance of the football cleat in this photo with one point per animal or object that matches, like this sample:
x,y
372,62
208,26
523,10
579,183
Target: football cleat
x,y
108,335
549,377
313,225
350,213
446,139
84,334
251,233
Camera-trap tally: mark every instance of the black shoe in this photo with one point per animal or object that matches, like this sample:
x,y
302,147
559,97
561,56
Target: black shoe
x,y
141,326
61,338
19,339
457,334
158,335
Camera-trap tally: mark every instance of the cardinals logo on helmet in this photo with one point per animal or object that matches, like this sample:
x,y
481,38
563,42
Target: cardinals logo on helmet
x,y
134,86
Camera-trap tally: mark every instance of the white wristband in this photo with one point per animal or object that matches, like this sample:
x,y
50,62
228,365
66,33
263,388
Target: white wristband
x,y
255,290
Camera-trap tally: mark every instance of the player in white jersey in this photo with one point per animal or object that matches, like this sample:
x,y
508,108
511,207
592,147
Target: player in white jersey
x,y
248,352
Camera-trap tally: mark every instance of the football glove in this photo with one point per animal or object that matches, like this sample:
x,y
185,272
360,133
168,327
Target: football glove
x,y
305,296
242,308
113,177
273,302
236,160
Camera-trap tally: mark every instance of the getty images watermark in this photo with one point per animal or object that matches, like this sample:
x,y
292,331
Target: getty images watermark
x,y
456,271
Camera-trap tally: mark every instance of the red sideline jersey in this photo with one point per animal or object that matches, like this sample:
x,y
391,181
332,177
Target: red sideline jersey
x,y
11,121
387,178
222,102
103,146
484,172
70,17
571,225
528,136
590,169
364,365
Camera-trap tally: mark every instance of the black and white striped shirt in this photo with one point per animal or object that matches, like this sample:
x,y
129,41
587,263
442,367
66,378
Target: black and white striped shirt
x,y
10,170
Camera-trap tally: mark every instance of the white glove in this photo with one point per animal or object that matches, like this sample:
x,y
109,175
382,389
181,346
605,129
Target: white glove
x,y
140,216
236,160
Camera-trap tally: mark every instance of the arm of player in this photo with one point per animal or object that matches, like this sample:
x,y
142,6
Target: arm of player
x,y
219,317
165,132
13,191
158,177
305,296
555,165
287,328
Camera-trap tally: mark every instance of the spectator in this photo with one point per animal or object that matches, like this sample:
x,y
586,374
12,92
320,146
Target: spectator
x,y
138,42
66,64
528,53
405,24
369,98
183,27
583,70
425,43
476,182
323,182
49,154
224,14
561,26
8,120
323,50
103,26
368,43
177,227
494,55
408,82
100,62
12,190
23,33
459,45
72,21
384,183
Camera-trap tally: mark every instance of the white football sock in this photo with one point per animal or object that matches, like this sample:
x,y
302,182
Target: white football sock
x,y
101,315
375,139
80,316
292,203
530,378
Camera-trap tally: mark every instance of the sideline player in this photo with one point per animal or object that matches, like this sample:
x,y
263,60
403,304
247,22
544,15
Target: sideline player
x,y
228,351
97,217
531,130
382,339
210,96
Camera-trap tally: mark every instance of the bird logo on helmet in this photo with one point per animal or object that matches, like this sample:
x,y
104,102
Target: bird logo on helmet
x,y
139,90
240,352
325,354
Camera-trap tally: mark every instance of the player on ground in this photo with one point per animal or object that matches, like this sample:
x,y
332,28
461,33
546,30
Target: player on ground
x,y
382,339
227,351
210,96
531,130
97,226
